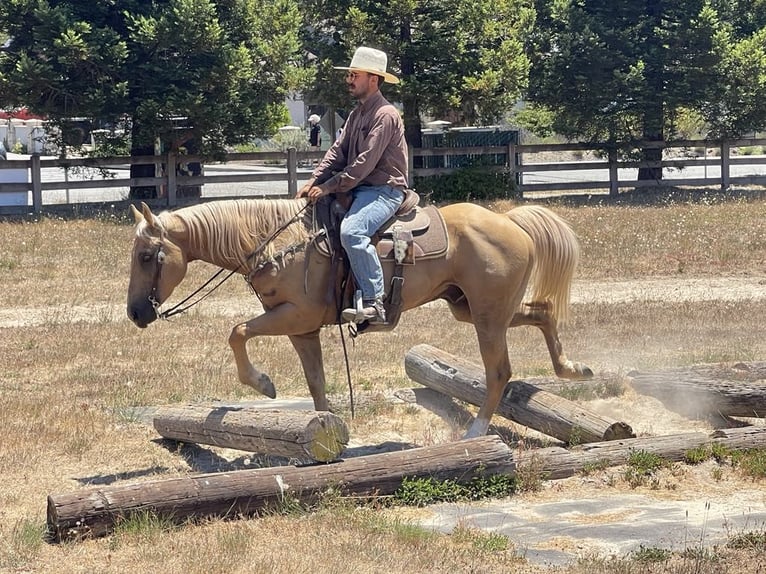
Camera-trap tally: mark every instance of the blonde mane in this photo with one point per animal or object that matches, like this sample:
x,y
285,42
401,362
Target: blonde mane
x,y
233,230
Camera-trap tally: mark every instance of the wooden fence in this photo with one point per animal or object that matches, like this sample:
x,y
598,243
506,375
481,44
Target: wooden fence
x,y
284,170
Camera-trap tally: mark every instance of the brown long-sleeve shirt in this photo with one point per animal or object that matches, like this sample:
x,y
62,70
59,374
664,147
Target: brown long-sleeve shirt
x,y
371,150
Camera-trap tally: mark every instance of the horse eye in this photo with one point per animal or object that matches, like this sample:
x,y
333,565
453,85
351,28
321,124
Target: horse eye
x,y
146,257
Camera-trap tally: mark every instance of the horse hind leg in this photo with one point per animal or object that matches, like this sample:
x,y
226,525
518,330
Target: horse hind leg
x,y
497,367
537,314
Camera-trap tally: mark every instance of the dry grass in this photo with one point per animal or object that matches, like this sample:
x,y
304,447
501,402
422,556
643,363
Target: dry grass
x,y
67,385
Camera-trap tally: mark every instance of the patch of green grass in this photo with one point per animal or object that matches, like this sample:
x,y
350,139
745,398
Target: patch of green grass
x,y
593,467
697,455
144,525
424,491
750,462
642,466
481,540
648,555
749,540
8,264
23,545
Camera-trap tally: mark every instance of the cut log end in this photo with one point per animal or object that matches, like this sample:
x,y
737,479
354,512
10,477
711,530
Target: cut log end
x,y
328,437
619,431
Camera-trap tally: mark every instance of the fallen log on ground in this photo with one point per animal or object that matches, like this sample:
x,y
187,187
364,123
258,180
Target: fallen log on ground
x,y
522,402
698,392
303,435
94,511
557,462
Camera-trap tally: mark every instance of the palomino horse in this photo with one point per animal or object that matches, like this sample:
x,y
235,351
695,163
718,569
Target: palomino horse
x,y
483,276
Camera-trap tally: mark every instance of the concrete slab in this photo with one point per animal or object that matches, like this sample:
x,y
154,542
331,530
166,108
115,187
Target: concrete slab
x,y
613,524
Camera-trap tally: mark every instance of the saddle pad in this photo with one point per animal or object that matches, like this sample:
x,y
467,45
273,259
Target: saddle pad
x,y
428,230
429,233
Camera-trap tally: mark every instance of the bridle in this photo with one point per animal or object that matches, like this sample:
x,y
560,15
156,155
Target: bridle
x,y
182,306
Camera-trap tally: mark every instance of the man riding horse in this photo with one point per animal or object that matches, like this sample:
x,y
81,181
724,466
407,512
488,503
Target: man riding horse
x,y
369,163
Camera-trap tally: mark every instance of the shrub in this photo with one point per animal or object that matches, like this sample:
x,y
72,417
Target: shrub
x,y
473,183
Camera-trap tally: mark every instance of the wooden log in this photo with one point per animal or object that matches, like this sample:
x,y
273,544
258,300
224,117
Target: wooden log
x,y
704,390
522,402
303,435
557,462
94,511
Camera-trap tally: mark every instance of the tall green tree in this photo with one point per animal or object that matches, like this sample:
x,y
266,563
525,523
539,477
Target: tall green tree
x,y
456,59
617,70
735,103
178,71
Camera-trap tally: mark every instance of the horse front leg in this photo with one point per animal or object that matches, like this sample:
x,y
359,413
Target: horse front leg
x,y
538,315
284,319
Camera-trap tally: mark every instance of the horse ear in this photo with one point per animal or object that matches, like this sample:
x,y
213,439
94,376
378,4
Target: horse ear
x,y
148,215
136,214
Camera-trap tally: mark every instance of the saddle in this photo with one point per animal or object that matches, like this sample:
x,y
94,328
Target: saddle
x,y
414,233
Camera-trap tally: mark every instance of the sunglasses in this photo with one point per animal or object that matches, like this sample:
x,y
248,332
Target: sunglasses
x,y
353,75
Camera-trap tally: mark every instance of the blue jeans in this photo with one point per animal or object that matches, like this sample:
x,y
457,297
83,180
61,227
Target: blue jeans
x,y
373,205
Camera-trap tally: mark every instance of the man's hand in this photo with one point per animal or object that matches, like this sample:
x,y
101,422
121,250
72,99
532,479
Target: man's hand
x,y
304,191
312,192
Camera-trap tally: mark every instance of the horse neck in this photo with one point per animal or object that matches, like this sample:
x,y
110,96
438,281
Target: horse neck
x,y
227,242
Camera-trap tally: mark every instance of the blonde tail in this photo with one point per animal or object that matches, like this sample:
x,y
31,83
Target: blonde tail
x,y
557,252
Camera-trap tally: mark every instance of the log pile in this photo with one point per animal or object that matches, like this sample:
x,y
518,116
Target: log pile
x,y
523,402
322,437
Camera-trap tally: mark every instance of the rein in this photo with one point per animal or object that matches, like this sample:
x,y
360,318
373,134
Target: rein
x,y
181,307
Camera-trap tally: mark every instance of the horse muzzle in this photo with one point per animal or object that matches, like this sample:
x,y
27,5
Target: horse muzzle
x,y
142,314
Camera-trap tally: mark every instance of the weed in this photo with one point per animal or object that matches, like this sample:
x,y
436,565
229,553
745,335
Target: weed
x,y
646,554
141,525
23,546
697,455
425,491
750,540
641,468
596,466
8,264
720,452
750,462
480,540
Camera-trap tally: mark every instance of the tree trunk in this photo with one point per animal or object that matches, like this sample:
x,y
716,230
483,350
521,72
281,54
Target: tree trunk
x,y
139,147
522,402
654,92
410,104
94,511
302,435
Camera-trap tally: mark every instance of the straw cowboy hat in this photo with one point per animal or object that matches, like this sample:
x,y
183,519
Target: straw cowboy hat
x,y
371,61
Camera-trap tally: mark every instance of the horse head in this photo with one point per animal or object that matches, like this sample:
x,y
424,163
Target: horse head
x,y
157,266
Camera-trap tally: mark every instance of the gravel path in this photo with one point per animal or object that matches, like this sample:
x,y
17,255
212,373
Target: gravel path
x,y
652,289
583,291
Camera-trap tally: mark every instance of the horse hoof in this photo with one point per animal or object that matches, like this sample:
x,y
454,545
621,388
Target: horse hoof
x,y
263,385
266,387
584,370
